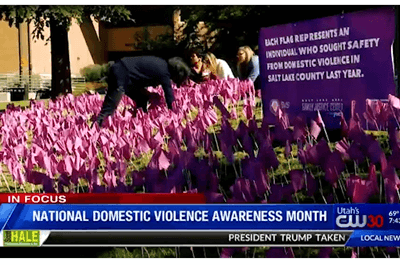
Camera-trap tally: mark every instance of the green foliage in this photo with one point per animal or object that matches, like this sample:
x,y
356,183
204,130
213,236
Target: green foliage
x,y
110,14
17,14
58,19
41,16
95,72
240,25
145,43
63,15
236,26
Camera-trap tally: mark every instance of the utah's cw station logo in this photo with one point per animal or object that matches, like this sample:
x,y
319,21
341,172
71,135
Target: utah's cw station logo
x,y
359,221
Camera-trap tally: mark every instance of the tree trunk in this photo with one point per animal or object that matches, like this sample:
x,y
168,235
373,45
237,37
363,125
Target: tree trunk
x,y
60,64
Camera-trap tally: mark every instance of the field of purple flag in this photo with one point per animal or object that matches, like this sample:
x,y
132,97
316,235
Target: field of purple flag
x,y
211,143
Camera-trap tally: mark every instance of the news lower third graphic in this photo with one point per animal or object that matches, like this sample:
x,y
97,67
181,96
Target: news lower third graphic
x,y
197,238
353,225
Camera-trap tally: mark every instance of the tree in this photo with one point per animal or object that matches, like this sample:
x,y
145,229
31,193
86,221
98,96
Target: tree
x,y
163,45
240,25
59,19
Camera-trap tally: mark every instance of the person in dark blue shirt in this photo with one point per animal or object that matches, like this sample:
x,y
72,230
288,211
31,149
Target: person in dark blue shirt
x,y
131,75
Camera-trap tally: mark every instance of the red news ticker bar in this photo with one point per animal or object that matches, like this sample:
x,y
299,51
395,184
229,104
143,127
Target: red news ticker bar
x,y
103,198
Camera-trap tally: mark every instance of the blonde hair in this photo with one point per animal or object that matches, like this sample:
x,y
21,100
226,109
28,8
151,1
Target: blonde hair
x,y
212,62
242,66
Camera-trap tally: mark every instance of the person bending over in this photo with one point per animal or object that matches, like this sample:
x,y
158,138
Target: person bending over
x,y
131,75
248,66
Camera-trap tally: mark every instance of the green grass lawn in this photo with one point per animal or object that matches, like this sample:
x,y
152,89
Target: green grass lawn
x,y
78,90
8,185
22,103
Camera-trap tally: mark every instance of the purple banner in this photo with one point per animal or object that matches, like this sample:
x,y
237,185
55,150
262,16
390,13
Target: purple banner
x,y
324,64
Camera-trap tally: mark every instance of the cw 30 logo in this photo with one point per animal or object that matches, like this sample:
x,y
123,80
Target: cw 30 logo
x,y
346,221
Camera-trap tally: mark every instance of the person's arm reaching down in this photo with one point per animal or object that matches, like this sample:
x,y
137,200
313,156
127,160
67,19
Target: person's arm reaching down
x,y
168,92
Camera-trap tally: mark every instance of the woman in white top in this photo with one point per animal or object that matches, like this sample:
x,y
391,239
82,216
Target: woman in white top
x,y
218,67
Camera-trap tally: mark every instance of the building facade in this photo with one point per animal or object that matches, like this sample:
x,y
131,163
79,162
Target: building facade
x,y
90,42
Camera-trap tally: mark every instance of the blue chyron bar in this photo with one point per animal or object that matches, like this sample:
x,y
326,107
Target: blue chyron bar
x,y
354,225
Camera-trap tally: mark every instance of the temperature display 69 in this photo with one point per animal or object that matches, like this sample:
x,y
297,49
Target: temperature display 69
x,y
394,217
